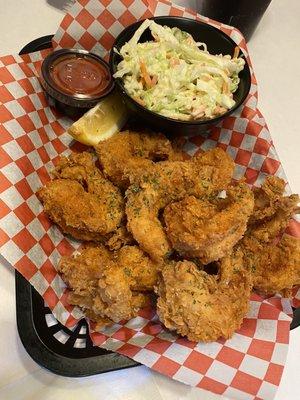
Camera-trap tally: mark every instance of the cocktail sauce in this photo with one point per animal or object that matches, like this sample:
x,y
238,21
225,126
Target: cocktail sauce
x,y
80,75
75,80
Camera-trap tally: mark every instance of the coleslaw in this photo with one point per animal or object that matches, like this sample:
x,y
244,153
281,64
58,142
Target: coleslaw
x,y
177,77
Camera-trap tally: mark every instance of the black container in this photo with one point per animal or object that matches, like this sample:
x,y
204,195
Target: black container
x,y
217,42
243,14
72,104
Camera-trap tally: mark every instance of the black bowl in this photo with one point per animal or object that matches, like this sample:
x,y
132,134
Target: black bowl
x,y
217,42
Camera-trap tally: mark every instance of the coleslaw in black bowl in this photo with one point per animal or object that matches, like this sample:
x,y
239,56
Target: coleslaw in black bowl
x,y
179,75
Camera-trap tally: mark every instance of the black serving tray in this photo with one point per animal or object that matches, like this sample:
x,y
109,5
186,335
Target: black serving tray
x,y
53,346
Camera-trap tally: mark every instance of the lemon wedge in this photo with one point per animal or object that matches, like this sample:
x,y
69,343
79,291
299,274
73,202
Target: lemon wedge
x,y
101,122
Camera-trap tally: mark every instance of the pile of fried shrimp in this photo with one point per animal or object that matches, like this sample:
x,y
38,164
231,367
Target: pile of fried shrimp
x,y
175,233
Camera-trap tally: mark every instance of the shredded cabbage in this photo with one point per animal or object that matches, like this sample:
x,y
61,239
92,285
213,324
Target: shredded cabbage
x,y
177,77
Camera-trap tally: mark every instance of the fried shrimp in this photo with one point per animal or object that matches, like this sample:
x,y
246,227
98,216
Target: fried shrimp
x,y
109,286
266,226
131,152
168,182
200,306
269,198
274,265
275,268
121,237
208,229
81,274
81,201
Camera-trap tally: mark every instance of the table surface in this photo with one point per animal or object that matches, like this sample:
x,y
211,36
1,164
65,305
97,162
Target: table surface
x,y
276,61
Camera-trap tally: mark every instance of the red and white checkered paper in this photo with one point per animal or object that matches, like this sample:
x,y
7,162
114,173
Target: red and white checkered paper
x,y
32,137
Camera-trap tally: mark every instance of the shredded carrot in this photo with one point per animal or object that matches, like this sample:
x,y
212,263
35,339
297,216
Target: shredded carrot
x,y
225,88
236,52
154,80
145,75
140,101
142,81
174,61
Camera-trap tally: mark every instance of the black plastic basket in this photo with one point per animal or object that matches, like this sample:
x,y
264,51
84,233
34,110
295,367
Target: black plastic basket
x,y
52,345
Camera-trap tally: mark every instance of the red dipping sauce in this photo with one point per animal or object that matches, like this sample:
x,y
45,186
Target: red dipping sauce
x,y
75,80
80,75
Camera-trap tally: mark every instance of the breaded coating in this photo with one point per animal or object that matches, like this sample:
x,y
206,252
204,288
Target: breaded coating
x,y
204,307
131,152
269,228
109,286
274,265
275,268
267,198
77,166
81,201
208,229
139,268
167,182
119,238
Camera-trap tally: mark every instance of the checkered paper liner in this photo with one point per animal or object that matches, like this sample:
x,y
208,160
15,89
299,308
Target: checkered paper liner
x,y
32,135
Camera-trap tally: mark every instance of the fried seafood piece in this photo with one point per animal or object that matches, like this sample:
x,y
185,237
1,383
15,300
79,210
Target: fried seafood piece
x,y
109,286
200,306
119,238
82,271
131,152
275,268
138,267
274,265
269,198
77,166
268,229
272,211
168,182
265,229
81,201
208,229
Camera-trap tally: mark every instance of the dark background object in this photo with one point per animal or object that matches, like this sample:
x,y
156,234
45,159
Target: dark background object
x,y
217,42
48,342
242,14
